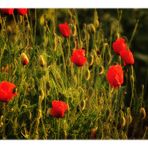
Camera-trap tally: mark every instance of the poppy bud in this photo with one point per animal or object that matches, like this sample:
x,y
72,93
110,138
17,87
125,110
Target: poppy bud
x,y
42,20
142,113
24,59
93,134
96,19
48,111
1,124
129,119
42,61
12,109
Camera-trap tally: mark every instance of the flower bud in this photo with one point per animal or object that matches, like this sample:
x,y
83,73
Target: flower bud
x,y
129,119
42,61
24,59
142,113
93,134
42,20
1,124
48,111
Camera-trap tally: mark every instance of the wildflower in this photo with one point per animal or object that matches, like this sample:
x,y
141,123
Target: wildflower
x,y
115,75
8,11
119,45
58,109
127,57
22,11
24,59
78,57
64,29
7,91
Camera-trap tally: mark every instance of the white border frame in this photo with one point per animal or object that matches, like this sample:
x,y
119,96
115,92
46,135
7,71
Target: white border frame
x,y
73,4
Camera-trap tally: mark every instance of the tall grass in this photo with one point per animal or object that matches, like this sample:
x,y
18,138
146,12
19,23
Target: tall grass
x,y
95,109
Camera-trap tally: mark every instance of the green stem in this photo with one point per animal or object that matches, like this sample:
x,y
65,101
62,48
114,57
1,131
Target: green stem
x,y
4,121
132,80
58,126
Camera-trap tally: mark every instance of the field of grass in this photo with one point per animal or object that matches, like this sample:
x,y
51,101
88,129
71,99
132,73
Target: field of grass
x,y
96,110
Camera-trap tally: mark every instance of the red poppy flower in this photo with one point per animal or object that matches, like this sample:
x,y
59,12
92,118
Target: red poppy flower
x,y
58,109
8,11
115,75
78,57
22,11
64,29
127,57
7,91
119,45
24,59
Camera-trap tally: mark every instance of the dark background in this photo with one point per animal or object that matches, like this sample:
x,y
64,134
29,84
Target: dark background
x,y
139,45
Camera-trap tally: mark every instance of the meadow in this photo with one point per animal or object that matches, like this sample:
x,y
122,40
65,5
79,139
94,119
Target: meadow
x,y
55,81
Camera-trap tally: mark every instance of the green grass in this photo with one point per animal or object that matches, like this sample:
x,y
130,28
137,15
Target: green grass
x,y
93,104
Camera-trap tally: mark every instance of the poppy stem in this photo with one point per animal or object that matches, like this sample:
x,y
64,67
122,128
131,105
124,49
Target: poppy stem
x,y
58,126
4,123
78,78
14,19
35,24
132,80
